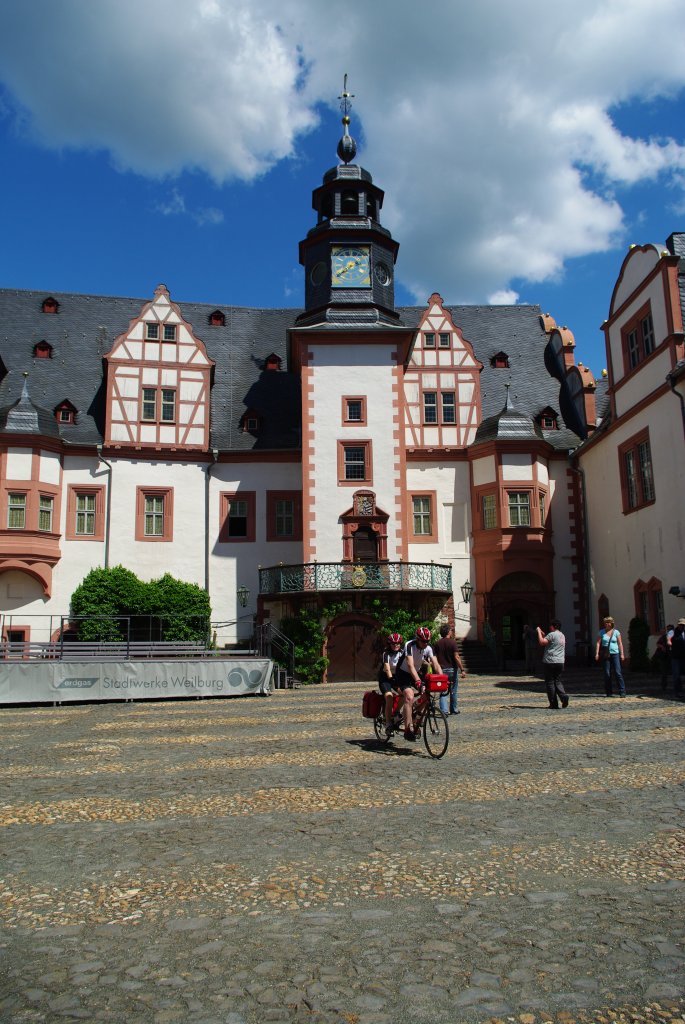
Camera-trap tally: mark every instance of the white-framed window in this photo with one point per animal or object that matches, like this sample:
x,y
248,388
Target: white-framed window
x,y
16,511
154,515
542,499
237,520
444,339
430,407
355,462
149,411
169,332
422,513
152,332
429,339
449,409
168,405
46,506
519,508
354,410
85,515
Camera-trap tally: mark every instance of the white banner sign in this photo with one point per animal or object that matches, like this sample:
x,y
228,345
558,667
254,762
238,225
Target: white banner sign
x,y
35,682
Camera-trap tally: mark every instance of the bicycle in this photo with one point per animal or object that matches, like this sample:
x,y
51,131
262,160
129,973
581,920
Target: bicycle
x,y
426,717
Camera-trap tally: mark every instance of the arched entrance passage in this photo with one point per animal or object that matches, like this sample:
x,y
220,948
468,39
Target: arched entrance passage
x,y
354,649
517,599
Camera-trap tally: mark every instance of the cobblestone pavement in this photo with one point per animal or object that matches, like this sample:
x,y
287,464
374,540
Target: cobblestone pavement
x,y
265,859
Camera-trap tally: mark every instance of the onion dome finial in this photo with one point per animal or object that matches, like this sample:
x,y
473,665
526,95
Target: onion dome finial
x,y
347,147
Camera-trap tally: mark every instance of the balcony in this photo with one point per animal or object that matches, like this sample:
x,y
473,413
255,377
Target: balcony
x,y
315,577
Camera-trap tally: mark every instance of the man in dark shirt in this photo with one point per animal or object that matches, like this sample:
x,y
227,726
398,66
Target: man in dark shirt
x,y
447,653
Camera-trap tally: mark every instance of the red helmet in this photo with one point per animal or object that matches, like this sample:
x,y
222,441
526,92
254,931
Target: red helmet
x,y
394,638
423,633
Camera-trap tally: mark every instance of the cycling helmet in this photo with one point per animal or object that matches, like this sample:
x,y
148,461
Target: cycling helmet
x,y
394,638
423,633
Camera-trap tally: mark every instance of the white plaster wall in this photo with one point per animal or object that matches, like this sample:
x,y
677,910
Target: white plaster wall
x,y
650,541
563,565
333,376
484,471
235,564
643,382
18,463
516,466
654,293
453,510
637,267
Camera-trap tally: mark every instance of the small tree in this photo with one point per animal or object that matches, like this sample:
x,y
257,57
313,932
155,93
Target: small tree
x,y
182,607
103,595
638,637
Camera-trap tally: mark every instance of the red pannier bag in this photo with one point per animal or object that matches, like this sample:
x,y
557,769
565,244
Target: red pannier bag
x,y
438,684
371,704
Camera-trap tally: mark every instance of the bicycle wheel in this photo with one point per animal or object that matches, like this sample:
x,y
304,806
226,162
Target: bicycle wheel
x,y
436,732
379,727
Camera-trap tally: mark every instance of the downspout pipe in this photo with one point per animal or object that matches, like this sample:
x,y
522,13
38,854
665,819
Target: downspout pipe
x,y
586,549
671,382
208,472
108,506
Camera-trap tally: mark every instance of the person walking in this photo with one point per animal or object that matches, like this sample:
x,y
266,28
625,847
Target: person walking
x,y
609,649
530,648
447,653
553,663
678,656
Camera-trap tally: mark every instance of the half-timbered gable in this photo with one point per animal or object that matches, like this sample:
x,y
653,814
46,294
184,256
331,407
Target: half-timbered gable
x,y
441,384
158,381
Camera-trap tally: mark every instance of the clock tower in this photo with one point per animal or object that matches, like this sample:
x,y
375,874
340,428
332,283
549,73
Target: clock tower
x,y
348,257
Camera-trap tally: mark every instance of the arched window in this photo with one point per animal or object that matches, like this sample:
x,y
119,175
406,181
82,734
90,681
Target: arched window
x,y
43,350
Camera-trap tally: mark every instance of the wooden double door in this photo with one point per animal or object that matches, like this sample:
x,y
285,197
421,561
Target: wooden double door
x,y
354,652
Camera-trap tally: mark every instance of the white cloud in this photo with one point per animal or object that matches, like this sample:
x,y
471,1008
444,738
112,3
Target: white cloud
x,y
175,205
489,126
504,297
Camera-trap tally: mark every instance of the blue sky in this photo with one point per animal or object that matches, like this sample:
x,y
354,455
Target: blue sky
x,y
521,149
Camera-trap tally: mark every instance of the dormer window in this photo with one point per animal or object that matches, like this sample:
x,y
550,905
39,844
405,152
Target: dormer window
x,y
250,422
273,362
548,419
217,319
50,305
43,350
500,361
65,413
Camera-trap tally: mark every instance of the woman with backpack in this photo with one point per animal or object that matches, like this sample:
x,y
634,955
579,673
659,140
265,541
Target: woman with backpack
x,y
610,650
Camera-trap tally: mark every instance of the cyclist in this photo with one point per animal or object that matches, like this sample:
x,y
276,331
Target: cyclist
x,y
416,652
386,677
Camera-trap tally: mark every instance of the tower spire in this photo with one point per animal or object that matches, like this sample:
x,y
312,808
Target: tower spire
x,y
347,147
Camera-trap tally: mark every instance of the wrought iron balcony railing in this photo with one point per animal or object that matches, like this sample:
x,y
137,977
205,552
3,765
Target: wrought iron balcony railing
x,y
318,576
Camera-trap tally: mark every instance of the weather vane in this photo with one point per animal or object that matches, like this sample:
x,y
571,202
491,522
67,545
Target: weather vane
x,y
347,147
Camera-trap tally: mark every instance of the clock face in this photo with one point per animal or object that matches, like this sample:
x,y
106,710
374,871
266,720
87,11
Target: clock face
x,y
350,267
382,273
318,274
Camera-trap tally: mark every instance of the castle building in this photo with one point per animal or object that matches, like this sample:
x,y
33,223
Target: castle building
x,y
347,457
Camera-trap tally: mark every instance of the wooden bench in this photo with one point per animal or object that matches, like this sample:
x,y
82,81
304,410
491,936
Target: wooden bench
x,y
135,650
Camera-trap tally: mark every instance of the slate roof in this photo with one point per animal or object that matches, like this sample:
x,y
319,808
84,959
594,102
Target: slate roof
x,y
83,331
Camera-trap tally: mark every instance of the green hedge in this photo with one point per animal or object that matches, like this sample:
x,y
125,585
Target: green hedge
x,y
181,610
